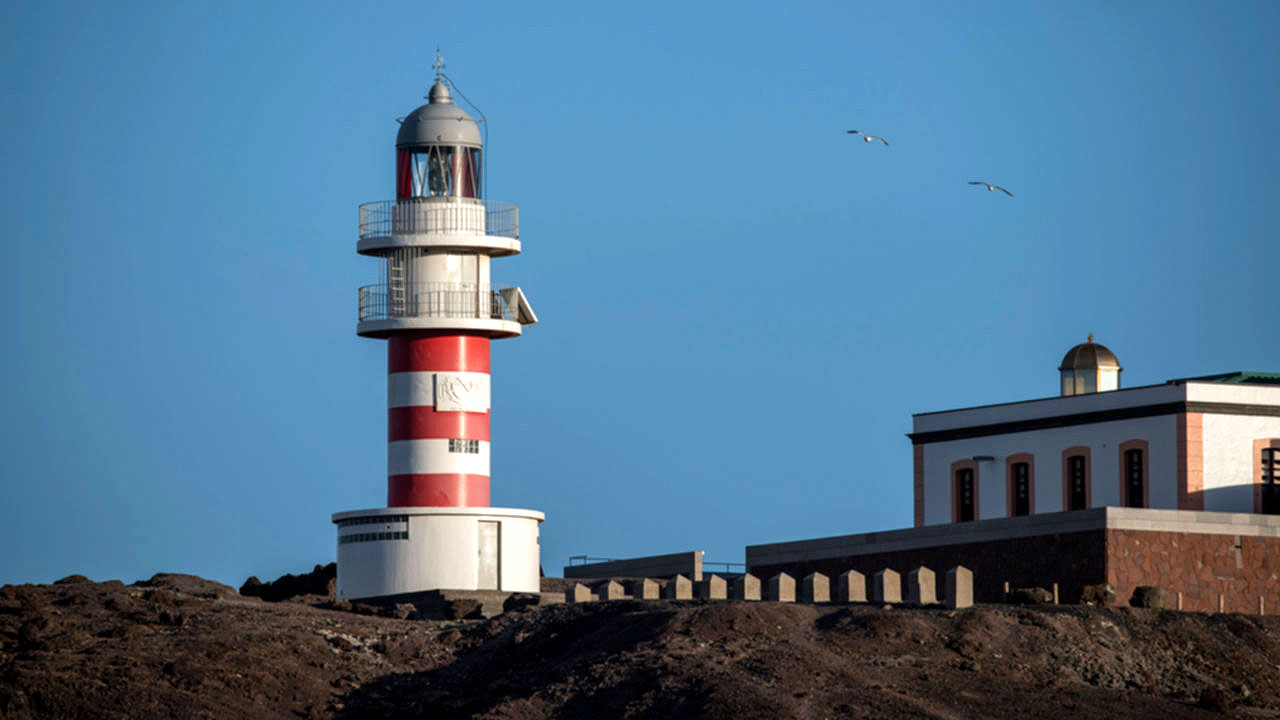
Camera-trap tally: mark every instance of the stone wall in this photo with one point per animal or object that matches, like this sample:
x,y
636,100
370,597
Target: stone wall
x,y
1240,569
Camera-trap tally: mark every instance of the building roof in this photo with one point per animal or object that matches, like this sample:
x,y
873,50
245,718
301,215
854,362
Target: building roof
x,y
1240,377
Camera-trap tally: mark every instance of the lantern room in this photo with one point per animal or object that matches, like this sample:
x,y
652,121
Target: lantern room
x,y
438,151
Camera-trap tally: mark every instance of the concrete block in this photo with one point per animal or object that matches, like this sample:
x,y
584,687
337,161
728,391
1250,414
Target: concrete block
x,y
851,587
578,593
610,590
713,587
959,587
815,588
782,588
678,588
746,587
922,586
886,587
644,589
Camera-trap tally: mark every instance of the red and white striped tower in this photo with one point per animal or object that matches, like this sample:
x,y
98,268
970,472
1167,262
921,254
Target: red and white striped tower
x,y
437,309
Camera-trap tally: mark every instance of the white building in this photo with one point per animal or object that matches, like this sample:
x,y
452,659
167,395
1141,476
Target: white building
x,y
1209,443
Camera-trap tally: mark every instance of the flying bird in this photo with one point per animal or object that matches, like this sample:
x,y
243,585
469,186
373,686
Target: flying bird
x,y
991,187
869,138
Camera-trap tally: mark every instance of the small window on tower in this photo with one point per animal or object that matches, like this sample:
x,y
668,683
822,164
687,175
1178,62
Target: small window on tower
x,y
458,445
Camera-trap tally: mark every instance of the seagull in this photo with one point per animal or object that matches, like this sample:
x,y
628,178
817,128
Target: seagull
x,y
869,138
991,187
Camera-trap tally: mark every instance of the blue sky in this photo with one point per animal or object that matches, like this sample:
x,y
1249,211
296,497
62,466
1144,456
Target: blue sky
x,y
741,306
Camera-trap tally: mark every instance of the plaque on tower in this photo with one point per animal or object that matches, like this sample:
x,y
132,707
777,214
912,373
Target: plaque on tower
x,y
462,392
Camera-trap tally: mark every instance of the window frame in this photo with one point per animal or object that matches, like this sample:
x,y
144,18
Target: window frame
x,y
956,468
1011,490
1086,453
1263,446
1125,448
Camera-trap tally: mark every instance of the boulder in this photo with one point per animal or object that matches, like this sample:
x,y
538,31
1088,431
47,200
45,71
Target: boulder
x,y
1102,594
1149,596
1030,596
520,601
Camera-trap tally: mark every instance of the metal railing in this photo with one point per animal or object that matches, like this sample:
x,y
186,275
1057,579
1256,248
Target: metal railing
x,y
444,215
435,300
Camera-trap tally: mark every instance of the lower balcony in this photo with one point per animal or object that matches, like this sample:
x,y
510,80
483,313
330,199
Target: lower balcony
x,y
387,308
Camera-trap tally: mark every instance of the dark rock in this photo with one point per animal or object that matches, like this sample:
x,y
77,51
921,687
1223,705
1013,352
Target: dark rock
x,y
520,601
1212,698
364,608
1098,595
72,580
463,608
402,611
341,604
29,635
1149,596
320,581
188,585
1030,596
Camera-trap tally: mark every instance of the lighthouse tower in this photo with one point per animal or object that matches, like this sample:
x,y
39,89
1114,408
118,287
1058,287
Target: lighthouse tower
x,y
435,306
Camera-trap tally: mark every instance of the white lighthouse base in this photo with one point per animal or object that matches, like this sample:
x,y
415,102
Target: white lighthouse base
x,y
389,551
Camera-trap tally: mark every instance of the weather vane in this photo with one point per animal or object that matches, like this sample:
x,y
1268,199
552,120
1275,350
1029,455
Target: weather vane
x,y
438,64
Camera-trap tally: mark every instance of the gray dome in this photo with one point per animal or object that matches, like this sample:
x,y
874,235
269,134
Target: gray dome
x,y
439,122
1088,356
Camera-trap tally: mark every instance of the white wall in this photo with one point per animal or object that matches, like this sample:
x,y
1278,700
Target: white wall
x,y
1103,440
1230,465
441,553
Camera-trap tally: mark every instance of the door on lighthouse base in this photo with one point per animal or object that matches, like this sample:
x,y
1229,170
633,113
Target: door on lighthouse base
x,y
487,547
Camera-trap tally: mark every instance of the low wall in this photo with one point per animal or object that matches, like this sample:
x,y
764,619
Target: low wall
x,y
688,564
1232,558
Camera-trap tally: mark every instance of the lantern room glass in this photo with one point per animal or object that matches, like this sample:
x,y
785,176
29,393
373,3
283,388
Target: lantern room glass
x,y
438,171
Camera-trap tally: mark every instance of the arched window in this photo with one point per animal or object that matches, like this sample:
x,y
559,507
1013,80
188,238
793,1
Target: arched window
x,y
1134,488
1076,489
1020,478
964,491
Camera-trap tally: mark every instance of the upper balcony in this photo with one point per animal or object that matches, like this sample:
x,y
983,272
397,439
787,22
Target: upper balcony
x,y
441,223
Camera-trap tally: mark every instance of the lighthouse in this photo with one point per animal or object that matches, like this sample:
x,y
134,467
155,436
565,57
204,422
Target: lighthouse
x,y
438,310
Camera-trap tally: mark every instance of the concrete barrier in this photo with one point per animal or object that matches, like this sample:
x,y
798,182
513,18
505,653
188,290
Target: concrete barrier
x,y
745,587
645,589
815,588
678,588
610,590
922,586
959,587
851,587
886,587
712,587
782,588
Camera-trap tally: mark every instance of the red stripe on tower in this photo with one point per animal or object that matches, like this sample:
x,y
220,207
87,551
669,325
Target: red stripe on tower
x,y
421,422
427,351
438,490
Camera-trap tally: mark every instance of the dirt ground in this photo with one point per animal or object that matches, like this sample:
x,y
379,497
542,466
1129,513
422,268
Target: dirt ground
x,y
180,646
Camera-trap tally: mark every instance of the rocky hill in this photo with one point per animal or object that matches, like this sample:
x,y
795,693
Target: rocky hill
x,y
179,646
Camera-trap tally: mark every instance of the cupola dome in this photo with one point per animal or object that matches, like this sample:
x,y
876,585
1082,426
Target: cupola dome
x,y
1089,367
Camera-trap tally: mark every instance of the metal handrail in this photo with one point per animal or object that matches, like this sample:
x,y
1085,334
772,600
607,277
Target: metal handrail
x,y
383,301
444,215
585,559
